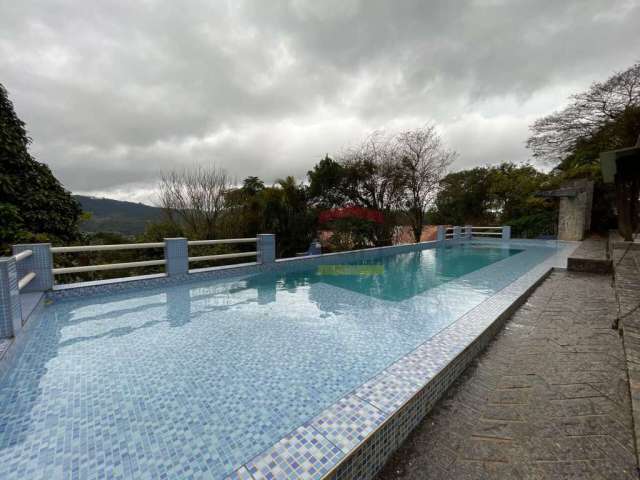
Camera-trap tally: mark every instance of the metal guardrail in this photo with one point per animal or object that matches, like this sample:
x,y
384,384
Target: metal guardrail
x,y
146,263
463,231
107,266
220,241
222,256
24,281
103,248
486,231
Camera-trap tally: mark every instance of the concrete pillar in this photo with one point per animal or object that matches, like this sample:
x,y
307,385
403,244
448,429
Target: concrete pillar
x,y
10,309
440,235
468,229
40,262
176,255
266,248
506,232
457,233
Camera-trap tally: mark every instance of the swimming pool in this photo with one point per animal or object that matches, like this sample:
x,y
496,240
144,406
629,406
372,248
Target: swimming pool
x,y
196,379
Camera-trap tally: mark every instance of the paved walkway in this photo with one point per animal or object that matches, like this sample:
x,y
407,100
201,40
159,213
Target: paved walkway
x,y
627,281
548,399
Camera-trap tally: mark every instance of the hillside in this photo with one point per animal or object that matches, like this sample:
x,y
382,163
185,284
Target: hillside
x,y
109,215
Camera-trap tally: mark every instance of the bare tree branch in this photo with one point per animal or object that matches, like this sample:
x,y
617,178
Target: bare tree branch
x,y
556,136
424,161
193,199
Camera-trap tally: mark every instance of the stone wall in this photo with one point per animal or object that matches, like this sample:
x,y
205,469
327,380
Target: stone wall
x,y
574,218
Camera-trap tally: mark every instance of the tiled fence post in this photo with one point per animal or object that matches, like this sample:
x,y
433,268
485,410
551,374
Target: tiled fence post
x,y
176,255
440,235
10,309
457,233
468,230
506,232
39,262
266,248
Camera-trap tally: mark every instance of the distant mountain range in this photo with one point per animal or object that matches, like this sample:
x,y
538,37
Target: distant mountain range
x,y
108,215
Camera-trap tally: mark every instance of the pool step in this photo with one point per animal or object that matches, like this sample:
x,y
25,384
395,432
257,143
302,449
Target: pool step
x,y
591,256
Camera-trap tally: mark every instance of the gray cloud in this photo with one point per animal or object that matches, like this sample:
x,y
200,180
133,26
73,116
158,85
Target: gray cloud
x,y
114,92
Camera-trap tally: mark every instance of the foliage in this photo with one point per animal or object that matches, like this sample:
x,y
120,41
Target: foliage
x,y
392,174
351,227
349,233
351,212
34,205
283,209
497,195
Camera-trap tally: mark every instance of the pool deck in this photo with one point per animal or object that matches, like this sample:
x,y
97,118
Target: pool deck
x,y
626,259
548,399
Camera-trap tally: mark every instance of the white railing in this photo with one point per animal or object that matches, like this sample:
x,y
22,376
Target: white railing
x,y
468,231
24,281
449,233
486,232
103,248
222,256
145,263
223,240
107,266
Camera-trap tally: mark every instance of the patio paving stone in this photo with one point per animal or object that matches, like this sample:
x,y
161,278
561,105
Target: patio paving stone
x,y
548,399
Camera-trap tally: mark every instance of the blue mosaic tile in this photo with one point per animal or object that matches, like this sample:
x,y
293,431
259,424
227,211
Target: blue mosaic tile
x,y
388,392
241,474
348,422
304,454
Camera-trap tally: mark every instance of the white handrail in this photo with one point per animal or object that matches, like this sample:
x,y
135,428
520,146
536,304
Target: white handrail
x,y
22,255
487,234
24,281
102,248
109,266
222,256
221,241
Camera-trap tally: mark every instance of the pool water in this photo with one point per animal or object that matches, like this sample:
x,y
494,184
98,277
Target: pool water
x,y
193,380
400,277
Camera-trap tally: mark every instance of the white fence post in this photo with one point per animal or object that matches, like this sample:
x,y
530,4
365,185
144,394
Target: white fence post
x,y
10,308
457,233
440,235
506,232
176,255
468,231
266,248
39,262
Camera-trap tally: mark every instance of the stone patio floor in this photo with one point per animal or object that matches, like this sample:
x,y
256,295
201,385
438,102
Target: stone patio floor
x,y
548,399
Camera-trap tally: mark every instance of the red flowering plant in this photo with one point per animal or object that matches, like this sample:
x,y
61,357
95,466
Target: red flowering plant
x,y
351,227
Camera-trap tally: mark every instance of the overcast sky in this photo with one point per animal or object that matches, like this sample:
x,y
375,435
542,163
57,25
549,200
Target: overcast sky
x,y
114,92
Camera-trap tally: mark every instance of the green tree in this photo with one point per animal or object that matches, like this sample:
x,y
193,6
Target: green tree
x,y
497,195
286,213
464,199
33,204
327,184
